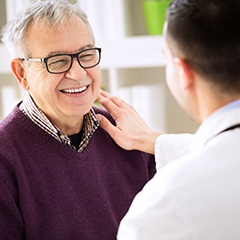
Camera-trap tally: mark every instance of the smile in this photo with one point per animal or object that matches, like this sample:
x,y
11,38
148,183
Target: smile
x,y
75,90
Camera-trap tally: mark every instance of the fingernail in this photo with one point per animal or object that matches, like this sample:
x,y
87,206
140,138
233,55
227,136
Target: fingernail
x,y
99,118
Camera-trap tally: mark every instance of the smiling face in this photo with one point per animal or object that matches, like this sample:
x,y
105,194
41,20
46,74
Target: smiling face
x,y
65,98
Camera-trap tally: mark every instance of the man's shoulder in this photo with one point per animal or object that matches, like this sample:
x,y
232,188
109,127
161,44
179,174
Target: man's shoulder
x,y
105,113
13,126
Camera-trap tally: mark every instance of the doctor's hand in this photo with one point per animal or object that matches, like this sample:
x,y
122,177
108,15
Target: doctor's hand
x,y
131,132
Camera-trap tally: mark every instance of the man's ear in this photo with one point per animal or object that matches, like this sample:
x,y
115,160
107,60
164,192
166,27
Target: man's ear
x,y
19,72
186,72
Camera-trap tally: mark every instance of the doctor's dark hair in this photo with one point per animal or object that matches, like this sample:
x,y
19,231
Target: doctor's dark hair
x,y
206,33
53,12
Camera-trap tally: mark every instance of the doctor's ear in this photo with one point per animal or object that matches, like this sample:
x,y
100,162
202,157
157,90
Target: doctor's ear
x,y
186,72
19,72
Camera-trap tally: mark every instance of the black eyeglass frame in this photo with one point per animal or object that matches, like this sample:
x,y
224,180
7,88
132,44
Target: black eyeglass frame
x,y
75,55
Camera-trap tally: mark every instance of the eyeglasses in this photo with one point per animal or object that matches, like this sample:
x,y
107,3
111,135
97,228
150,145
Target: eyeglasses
x,y
61,63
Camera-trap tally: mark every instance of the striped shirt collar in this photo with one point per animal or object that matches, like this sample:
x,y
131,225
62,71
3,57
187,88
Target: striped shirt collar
x,y
38,117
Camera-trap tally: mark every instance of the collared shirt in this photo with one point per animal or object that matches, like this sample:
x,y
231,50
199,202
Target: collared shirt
x,y
38,117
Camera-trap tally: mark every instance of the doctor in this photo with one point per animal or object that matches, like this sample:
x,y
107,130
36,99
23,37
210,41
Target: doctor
x,y
195,193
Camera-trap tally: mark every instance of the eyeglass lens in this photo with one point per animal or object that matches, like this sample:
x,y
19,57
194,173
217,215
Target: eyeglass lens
x,y
61,63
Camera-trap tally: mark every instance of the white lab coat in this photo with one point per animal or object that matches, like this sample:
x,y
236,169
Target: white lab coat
x,y
196,195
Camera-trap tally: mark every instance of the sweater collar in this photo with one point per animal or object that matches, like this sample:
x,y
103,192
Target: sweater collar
x,y
90,124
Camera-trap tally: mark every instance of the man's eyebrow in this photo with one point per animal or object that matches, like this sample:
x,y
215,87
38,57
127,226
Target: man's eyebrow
x,y
64,52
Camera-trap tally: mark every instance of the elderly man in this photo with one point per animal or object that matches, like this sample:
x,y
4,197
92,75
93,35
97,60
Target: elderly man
x,y
61,175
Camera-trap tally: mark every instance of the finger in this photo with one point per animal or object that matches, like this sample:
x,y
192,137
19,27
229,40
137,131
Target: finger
x,y
104,93
114,132
109,105
107,125
116,100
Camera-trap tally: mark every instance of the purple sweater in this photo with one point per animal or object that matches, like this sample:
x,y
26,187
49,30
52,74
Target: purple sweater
x,y
50,191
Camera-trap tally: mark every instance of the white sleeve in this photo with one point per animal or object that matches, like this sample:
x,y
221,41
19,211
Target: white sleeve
x,y
169,147
153,214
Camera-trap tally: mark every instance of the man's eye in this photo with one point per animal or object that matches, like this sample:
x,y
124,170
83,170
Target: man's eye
x,y
58,62
87,57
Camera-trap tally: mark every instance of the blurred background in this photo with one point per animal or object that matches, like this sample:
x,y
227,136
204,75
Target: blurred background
x,y
133,66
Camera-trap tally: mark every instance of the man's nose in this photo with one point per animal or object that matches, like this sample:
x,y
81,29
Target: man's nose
x,y
76,71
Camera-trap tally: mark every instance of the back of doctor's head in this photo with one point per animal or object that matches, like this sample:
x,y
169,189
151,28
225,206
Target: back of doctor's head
x,y
206,33
54,13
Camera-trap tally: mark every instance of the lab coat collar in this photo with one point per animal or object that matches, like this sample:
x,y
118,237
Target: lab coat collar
x,y
213,126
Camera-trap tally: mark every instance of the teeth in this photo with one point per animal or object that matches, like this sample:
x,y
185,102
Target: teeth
x,y
75,90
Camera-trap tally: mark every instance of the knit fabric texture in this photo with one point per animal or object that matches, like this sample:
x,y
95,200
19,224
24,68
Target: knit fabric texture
x,y
50,191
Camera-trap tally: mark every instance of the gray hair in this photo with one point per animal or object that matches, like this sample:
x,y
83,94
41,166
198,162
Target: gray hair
x,y
54,12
